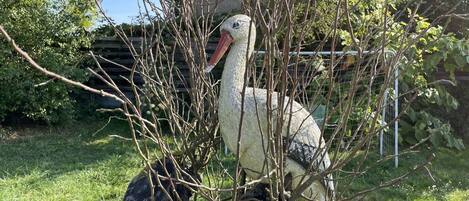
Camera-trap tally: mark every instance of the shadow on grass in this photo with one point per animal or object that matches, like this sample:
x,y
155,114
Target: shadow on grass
x,y
38,162
59,150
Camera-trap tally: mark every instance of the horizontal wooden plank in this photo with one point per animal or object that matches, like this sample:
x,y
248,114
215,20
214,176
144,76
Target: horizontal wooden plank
x,y
118,79
119,46
439,76
125,62
98,43
117,54
118,39
117,70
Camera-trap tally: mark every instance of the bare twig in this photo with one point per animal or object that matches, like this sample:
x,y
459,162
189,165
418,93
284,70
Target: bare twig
x,y
33,63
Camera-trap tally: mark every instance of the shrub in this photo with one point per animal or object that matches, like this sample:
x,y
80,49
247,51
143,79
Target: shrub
x,y
53,32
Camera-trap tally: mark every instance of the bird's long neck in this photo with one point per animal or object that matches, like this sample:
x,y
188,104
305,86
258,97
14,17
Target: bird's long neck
x,y
235,67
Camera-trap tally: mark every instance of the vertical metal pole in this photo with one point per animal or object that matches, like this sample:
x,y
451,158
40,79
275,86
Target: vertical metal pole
x,y
396,114
383,123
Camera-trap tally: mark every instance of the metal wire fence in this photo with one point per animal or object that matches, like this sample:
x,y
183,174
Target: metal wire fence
x,y
372,77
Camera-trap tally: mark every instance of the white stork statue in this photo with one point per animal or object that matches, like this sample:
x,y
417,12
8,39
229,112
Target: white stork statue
x,y
305,140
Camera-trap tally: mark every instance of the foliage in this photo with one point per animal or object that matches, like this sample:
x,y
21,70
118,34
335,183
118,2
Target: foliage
x,y
436,8
427,47
434,48
323,16
422,125
53,32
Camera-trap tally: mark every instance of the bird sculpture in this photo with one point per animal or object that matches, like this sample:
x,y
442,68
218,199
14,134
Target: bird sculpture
x,y
139,188
306,148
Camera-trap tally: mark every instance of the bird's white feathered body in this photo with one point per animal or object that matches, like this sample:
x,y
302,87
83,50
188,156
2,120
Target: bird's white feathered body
x,y
253,144
253,139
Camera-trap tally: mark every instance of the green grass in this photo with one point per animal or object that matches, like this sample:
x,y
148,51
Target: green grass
x,y
66,163
72,162
449,169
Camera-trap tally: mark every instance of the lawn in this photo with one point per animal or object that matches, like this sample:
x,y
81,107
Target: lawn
x,y
66,163
447,177
73,162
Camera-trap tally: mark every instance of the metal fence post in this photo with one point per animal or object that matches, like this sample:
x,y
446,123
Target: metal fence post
x,y
396,114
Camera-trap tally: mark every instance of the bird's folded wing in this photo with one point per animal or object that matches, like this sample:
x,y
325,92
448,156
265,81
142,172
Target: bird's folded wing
x,y
310,157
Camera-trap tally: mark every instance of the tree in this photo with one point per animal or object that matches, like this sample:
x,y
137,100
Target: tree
x,y
435,47
56,32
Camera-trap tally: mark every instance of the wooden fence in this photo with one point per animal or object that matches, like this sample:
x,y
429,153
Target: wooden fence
x,y
115,50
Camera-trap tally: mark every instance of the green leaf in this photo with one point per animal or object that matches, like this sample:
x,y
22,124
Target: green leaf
x,y
450,68
86,23
420,135
412,115
433,60
420,125
459,144
460,61
436,139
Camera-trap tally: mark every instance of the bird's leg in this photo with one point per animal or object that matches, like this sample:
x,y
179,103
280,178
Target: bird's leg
x,y
242,181
288,186
243,177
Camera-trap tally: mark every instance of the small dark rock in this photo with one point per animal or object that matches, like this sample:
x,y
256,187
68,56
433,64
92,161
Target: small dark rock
x,y
139,188
258,192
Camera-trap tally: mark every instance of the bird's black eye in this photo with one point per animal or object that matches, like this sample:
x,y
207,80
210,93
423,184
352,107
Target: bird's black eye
x,y
235,25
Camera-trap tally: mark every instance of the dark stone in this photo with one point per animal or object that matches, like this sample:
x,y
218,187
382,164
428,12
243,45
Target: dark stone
x,y
259,192
139,188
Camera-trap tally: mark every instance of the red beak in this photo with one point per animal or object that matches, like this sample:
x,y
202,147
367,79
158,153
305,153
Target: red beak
x,y
222,46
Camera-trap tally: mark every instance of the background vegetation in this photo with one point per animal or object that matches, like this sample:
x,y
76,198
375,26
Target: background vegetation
x,y
437,49
57,35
